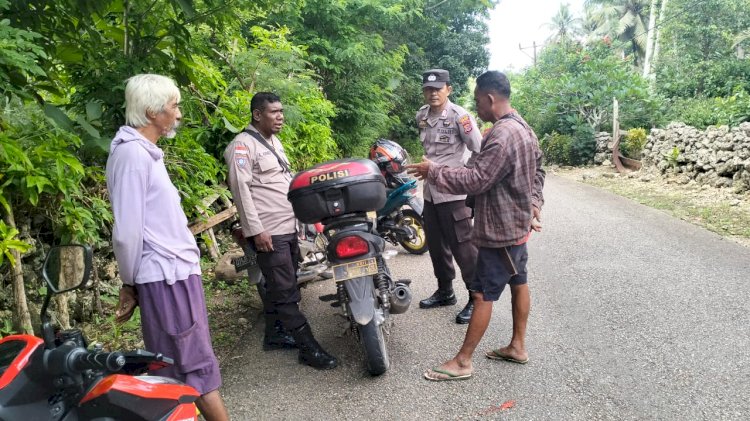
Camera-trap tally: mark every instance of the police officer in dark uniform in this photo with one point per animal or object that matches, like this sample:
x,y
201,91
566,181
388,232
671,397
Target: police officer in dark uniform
x,y
448,133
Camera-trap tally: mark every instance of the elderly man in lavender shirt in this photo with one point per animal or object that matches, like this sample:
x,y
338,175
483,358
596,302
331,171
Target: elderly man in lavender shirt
x,y
155,251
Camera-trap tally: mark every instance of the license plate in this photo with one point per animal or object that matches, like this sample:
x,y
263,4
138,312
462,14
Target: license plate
x,y
355,269
244,262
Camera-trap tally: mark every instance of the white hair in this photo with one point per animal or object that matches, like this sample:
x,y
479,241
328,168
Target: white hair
x,y
147,93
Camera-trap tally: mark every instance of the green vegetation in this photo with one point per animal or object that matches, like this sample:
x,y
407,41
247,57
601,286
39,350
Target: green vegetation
x,y
635,140
348,72
556,148
693,67
570,92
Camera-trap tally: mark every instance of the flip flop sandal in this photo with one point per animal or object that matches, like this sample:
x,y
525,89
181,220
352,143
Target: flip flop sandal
x,y
495,354
431,374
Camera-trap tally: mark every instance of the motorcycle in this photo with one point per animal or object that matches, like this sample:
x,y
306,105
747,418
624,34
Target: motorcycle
x,y
312,244
58,378
400,219
399,225
340,194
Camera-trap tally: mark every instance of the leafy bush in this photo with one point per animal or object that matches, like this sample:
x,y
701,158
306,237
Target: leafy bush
x,y
583,146
573,85
704,112
44,181
556,148
635,140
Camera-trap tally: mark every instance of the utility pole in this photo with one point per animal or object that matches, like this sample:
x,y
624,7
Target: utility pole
x,y
533,46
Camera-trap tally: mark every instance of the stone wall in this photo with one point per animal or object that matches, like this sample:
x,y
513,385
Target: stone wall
x,y
604,146
717,156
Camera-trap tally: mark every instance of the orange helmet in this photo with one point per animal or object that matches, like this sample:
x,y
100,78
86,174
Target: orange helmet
x,y
389,156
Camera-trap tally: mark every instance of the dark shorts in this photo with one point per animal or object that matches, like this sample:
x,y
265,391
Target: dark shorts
x,y
175,323
497,267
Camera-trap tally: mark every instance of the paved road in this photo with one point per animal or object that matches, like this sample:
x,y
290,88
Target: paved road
x,y
635,315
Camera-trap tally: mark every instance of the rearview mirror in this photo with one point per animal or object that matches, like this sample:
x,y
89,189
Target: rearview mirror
x,y
67,267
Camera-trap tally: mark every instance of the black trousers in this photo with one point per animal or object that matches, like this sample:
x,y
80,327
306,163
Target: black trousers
x,y
448,230
279,268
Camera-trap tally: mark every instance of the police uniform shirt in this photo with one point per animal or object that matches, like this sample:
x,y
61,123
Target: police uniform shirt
x,y
446,139
259,185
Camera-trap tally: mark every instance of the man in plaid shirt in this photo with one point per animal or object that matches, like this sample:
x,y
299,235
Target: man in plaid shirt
x,y
507,180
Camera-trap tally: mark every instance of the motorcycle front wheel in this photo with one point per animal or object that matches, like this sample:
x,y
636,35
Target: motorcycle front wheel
x,y
372,337
417,245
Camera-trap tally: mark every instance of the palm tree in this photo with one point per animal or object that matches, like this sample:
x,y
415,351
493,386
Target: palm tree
x,y
564,25
625,20
740,39
589,25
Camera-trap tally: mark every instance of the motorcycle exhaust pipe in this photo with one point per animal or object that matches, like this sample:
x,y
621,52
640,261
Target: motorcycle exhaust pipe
x,y
400,299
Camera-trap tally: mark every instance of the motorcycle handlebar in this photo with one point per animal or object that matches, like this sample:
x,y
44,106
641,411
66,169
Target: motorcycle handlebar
x,y
70,358
110,361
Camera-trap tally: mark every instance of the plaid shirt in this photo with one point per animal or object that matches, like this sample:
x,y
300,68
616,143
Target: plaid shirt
x,y
507,179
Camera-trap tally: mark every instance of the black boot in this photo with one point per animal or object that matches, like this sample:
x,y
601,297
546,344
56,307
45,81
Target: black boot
x,y
464,315
439,298
310,351
276,337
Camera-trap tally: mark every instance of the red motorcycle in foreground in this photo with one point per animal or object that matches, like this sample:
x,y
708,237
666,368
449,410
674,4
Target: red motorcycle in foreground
x,y
58,378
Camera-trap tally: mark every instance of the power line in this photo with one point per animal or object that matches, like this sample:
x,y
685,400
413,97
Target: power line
x,y
534,46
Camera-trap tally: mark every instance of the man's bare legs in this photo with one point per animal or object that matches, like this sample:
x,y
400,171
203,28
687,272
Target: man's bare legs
x,y
521,304
480,319
212,407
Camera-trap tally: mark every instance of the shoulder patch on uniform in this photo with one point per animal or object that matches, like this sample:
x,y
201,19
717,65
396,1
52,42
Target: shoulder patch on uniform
x,y
240,160
240,149
465,121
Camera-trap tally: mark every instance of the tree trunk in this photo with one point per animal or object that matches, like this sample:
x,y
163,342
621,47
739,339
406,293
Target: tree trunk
x,y
21,317
650,40
658,33
63,310
97,295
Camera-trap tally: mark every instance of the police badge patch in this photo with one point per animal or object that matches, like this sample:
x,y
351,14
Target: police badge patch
x,y
465,121
241,155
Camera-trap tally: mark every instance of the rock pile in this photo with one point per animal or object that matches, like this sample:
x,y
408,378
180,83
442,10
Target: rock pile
x,y
604,146
718,156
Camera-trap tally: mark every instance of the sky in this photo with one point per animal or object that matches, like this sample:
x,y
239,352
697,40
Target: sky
x,y
515,22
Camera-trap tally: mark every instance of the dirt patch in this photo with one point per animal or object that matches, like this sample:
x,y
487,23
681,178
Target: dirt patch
x,y
717,209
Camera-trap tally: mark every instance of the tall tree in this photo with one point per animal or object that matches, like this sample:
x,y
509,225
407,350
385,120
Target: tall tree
x,y
448,35
650,39
564,25
657,40
699,57
623,20
358,71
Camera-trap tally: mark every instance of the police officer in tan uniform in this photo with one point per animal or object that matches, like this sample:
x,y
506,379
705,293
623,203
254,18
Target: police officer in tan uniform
x,y
259,178
448,132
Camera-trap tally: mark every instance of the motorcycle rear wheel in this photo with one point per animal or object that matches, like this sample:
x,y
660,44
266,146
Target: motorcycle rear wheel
x,y
414,220
372,337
